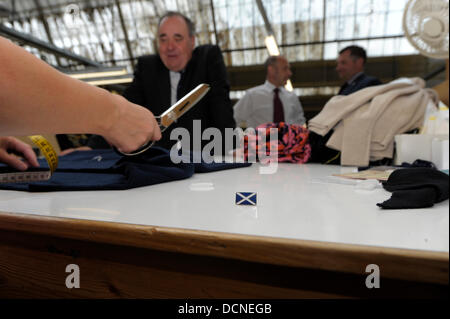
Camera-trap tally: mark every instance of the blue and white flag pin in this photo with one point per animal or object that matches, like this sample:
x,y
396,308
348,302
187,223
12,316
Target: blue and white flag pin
x,y
246,198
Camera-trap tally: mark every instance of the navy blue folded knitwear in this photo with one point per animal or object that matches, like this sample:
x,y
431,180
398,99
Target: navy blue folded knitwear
x,y
107,170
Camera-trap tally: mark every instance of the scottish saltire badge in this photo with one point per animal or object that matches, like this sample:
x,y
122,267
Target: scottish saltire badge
x,y
246,198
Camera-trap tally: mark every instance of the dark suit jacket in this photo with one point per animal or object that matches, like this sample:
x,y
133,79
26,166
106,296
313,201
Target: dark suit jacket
x,y
359,83
151,89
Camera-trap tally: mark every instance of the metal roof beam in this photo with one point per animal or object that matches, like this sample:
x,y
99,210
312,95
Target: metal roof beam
x,y
5,10
214,21
263,12
45,46
46,27
125,31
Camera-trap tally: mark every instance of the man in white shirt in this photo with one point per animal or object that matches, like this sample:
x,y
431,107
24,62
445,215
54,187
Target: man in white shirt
x,y
270,102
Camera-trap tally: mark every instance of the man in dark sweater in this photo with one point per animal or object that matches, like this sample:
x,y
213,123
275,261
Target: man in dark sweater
x,y
350,67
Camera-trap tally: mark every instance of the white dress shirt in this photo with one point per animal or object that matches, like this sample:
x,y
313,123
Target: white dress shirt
x,y
256,107
174,80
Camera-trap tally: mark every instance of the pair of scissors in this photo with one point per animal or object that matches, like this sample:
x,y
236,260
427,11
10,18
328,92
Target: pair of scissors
x,y
173,113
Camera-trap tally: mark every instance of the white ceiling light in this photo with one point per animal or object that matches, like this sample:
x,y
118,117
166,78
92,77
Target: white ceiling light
x,y
271,45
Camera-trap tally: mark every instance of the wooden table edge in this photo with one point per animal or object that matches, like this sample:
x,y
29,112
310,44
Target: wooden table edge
x,y
396,263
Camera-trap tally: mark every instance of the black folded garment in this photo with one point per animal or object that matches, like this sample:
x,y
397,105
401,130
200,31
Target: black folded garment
x,y
415,188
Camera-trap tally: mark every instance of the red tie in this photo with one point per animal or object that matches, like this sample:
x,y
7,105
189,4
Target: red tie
x,y
278,113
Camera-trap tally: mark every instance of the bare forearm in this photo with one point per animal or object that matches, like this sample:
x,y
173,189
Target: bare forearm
x,y
35,98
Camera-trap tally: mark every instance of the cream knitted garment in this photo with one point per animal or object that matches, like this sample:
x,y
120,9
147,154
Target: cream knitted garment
x,y
366,122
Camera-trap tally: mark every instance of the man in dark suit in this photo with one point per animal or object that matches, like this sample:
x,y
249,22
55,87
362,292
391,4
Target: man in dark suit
x,y
161,79
350,67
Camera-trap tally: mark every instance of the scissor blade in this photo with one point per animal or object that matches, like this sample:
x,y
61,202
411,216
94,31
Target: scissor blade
x,y
185,104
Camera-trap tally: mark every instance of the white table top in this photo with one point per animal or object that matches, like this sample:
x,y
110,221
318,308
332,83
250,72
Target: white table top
x,y
295,202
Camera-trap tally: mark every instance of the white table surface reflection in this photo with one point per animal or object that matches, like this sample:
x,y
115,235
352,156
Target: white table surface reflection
x,y
295,202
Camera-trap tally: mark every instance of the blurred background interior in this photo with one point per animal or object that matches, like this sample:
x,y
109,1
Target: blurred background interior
x,y
99,41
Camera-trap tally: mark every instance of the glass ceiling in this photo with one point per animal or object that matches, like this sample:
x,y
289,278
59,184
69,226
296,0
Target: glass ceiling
x,y
116,32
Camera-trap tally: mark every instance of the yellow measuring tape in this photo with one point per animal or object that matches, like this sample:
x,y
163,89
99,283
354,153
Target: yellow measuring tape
x,y
46,149
35,174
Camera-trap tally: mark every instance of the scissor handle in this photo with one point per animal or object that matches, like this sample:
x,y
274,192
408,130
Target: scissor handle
x,y
147,145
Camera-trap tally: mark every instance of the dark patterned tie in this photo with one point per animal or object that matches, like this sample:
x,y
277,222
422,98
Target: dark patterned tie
x,y
278,113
